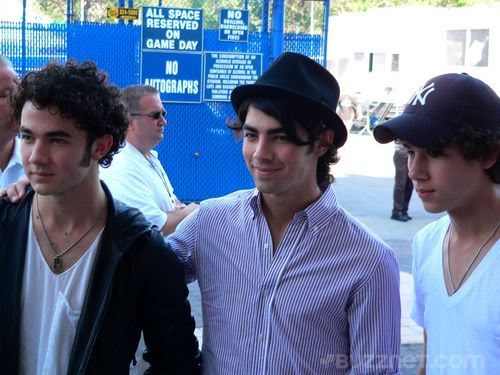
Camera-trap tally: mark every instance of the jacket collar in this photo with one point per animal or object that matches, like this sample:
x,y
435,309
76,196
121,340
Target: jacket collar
x,y
124,226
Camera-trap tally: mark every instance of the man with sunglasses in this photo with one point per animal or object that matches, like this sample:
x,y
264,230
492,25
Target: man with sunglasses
x,y
11,167
136,176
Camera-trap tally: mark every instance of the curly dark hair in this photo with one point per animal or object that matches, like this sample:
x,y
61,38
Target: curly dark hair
x,y
474,143
290,117
78,92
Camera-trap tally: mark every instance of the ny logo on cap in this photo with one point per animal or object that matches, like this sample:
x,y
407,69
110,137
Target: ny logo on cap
x,y
421,94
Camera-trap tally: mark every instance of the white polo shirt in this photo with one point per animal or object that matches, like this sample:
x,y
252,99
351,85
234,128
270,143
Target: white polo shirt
x,y
141,183
14,169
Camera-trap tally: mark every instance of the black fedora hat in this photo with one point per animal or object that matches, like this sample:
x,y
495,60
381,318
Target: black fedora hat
x,y
304,82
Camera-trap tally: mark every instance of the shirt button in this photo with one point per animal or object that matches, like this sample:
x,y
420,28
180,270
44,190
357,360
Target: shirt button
x,y
266,246
260,336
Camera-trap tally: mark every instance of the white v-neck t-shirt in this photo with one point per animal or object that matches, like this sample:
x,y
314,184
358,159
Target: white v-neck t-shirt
x,y
50,309
463,330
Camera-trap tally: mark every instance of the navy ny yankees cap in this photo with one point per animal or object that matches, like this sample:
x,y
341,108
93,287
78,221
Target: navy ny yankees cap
x,y
439,108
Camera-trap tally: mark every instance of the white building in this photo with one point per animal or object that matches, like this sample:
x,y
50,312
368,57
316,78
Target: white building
x,y
403,47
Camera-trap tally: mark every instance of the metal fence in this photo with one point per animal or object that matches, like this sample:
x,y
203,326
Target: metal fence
x,y
200,154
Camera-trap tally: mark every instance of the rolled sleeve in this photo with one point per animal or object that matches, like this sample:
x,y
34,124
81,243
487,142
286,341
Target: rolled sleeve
x,y
183,242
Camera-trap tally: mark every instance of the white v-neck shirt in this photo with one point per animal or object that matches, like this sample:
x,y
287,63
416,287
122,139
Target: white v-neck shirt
x,y
50,309
463,330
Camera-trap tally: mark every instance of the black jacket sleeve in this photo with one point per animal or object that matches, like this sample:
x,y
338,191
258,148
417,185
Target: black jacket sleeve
x,y
168,325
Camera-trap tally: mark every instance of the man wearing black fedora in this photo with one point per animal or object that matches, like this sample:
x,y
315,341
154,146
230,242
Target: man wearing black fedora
x,y
290,282
451,129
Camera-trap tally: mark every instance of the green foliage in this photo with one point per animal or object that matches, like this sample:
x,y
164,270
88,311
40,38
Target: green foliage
x,y
55,10
301,16
304,16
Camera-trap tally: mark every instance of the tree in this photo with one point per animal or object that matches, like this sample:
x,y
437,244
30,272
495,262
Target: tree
x,y
301,16
53,9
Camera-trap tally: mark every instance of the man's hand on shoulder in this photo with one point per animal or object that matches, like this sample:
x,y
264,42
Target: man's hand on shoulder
x,y
190,208
176,216
15,191
178,204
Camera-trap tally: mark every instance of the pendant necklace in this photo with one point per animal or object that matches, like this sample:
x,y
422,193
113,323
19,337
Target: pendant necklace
x,y
453,289
57,262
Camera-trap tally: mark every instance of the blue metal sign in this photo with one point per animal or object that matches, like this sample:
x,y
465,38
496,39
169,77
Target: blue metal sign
x,y
233,25
226,70
177,76
172,29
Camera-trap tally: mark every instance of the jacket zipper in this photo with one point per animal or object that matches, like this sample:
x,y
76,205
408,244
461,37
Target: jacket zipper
x,y
93,334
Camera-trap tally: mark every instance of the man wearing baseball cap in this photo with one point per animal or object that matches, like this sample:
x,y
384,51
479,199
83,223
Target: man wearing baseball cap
x,y
290,282
451,128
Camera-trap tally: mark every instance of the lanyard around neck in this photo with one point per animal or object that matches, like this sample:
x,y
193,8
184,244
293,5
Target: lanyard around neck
x,y
161,175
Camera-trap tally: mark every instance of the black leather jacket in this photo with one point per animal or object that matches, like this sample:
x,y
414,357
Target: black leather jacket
x,y
137,284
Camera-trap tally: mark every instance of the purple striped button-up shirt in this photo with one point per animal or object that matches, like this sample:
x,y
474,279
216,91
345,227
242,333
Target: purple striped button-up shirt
x,y
327,301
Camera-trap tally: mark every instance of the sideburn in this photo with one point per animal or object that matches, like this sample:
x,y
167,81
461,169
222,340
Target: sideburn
x,y
87,156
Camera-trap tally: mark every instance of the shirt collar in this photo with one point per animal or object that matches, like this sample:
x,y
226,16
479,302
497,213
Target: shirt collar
x,y
321,211
138,153
317,213
256,203
135,152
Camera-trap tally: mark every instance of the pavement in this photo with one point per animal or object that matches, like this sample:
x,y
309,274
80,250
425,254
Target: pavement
x,y
364,179
364,183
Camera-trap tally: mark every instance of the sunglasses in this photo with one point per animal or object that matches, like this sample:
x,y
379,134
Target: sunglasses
x,y
154,116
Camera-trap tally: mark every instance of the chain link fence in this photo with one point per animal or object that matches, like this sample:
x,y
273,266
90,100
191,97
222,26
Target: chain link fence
x,y
301,16
201,155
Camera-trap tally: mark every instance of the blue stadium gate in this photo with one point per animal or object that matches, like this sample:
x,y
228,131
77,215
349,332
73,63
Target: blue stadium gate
x,y
202,157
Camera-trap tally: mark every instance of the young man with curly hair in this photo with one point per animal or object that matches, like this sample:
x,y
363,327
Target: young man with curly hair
x,y
81,275
290,282
451,128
